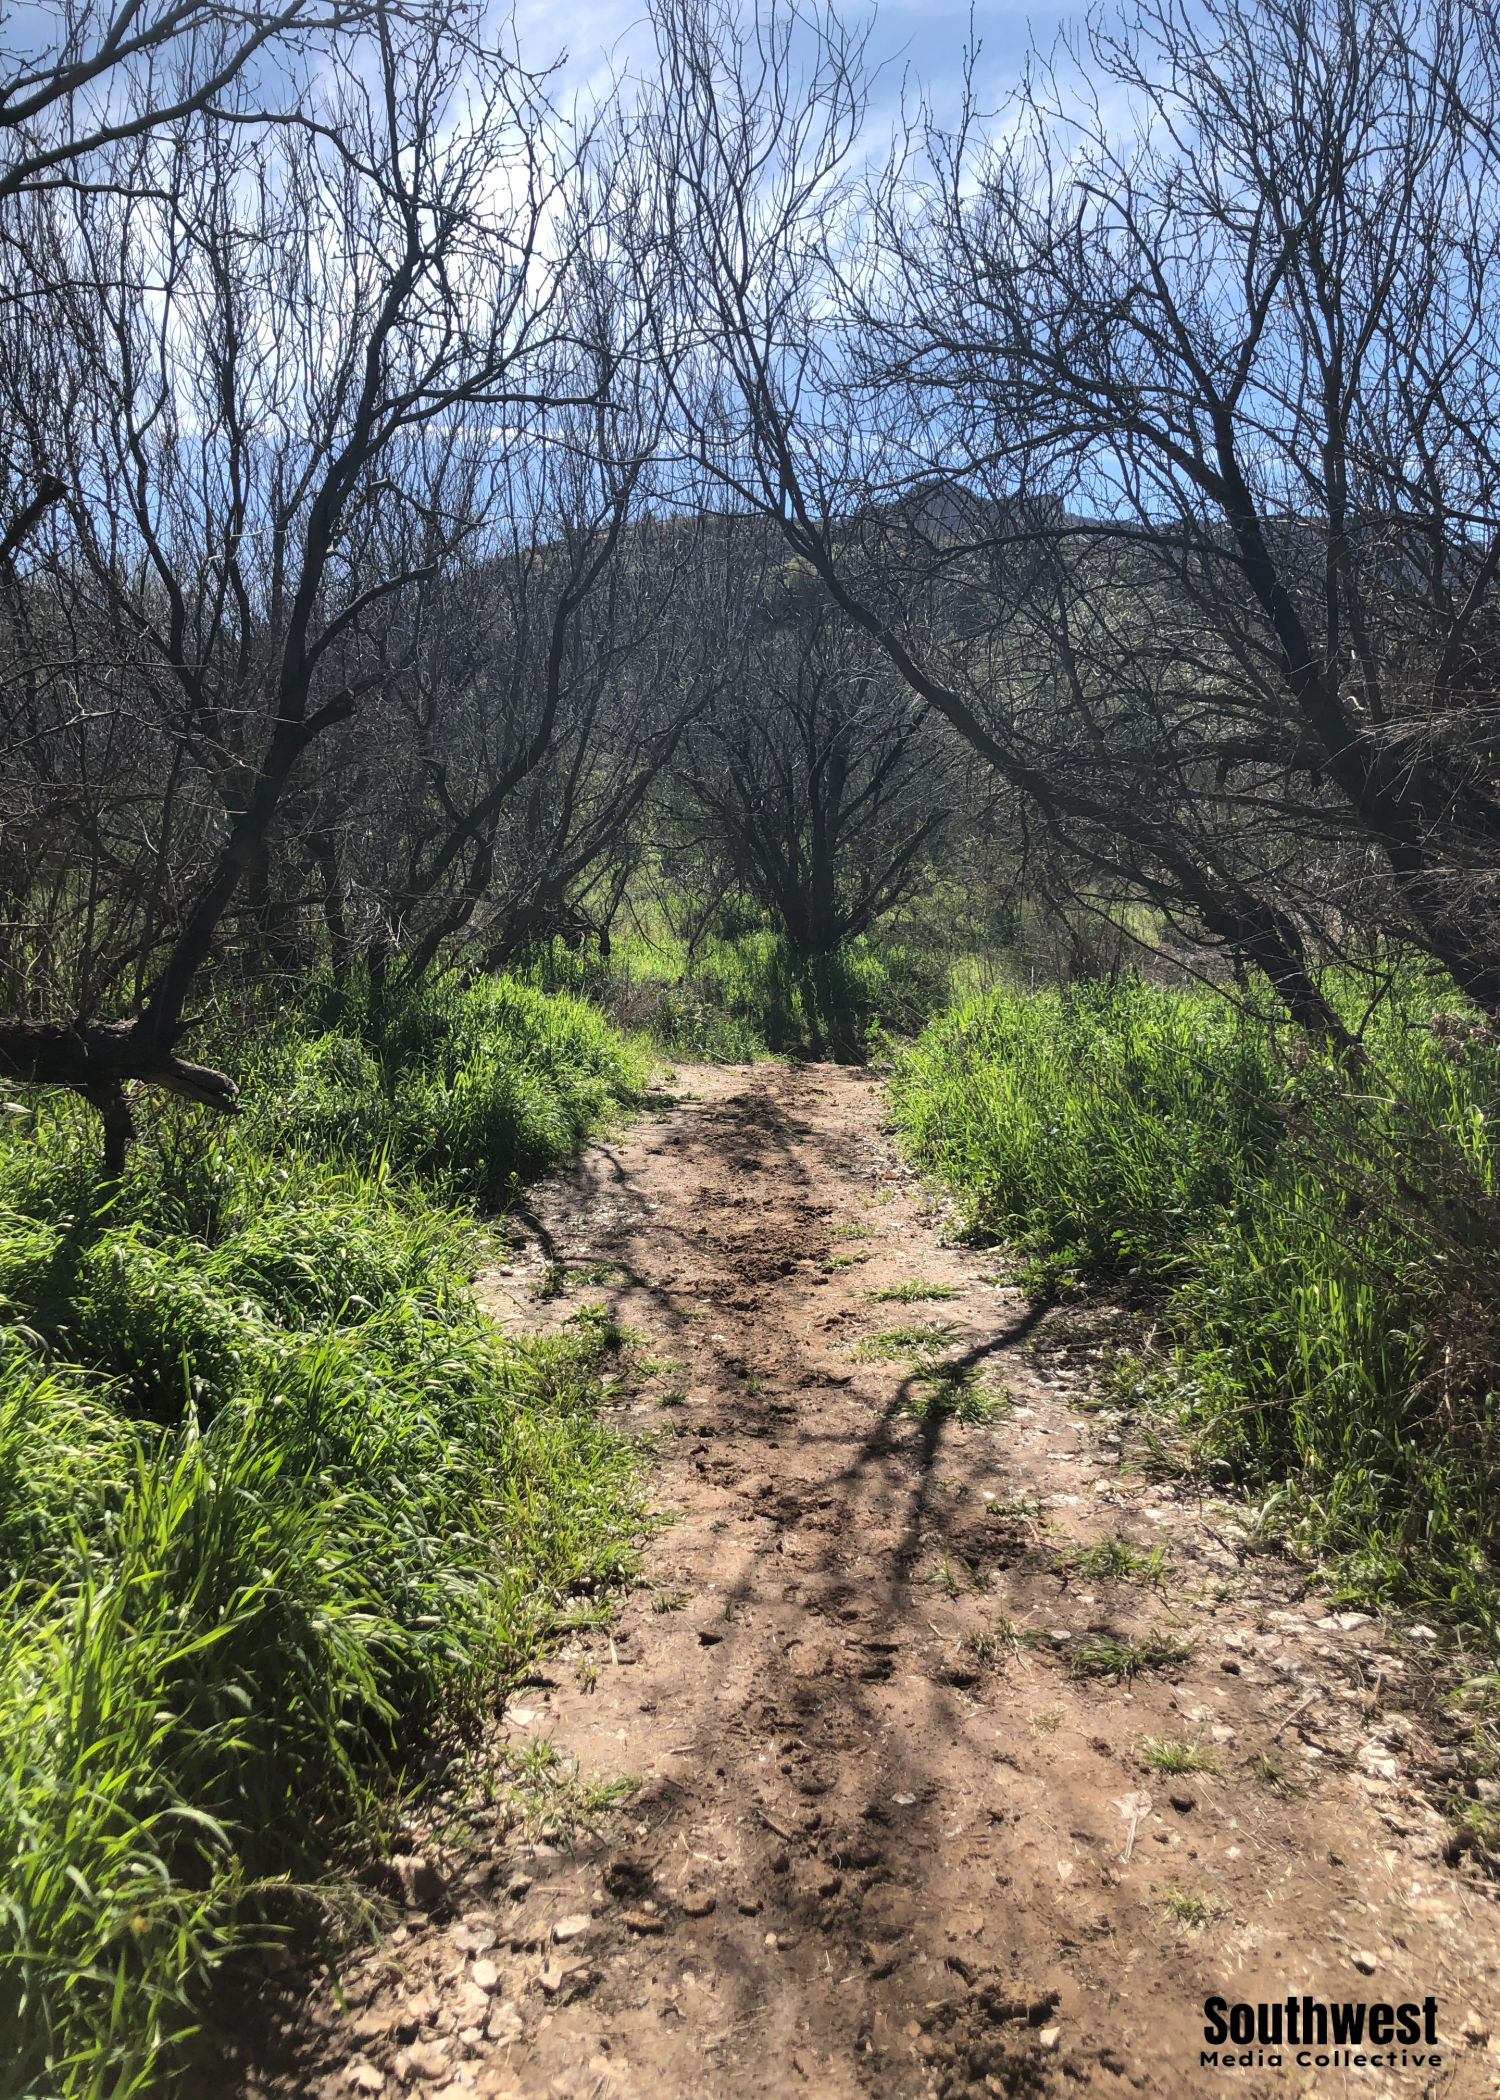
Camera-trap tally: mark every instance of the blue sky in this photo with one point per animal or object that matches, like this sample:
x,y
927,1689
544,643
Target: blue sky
x,y
926,40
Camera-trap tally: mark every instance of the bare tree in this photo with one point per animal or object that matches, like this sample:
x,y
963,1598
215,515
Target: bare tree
x,y
1221,388
548,690
78,78
815,776
289,363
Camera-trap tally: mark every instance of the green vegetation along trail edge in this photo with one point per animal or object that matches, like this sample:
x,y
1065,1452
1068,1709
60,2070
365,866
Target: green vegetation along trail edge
x,y
968,1754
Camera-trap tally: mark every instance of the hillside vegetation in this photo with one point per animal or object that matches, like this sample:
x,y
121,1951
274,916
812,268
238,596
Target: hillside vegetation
x,y
278,1504
1315,1230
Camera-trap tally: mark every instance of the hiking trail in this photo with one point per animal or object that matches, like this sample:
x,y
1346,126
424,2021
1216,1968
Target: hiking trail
x,y
905,1817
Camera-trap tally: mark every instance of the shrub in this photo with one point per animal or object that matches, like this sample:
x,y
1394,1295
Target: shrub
x,y
1320,1236
277,1502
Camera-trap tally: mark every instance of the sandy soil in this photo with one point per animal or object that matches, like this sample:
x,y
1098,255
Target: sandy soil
x,y
889,1835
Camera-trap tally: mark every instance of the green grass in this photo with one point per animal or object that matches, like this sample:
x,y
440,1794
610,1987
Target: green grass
x,y
1318,1241
1115,1655
745,994
948,1392
912,1342
1188,1908
1163,1754
912,1292
279,1507
1113,1560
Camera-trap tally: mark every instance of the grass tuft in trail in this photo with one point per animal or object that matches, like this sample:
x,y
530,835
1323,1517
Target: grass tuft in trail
x,y
948,1392
1115,1655
1114,1560
913,1292
1164,1754
918,1340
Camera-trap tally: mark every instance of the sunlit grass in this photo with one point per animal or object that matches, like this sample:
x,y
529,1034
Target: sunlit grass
x,y
280,1508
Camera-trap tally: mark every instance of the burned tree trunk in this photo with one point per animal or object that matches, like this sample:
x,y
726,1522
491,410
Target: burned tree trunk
x,y
100,1054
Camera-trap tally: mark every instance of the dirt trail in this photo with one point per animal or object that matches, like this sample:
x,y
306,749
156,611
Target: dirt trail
x,y
886,1838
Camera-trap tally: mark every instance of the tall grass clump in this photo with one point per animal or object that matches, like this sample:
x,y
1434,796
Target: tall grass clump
x,y
1319,1233
1097,1127
278,1505
478,1085
747,993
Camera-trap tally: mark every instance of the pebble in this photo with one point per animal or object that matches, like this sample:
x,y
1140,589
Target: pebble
x,y
422,1886
699,1903
423,2060
485,1976
571,1928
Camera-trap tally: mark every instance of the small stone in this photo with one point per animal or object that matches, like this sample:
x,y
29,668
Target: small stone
x,y
1229,1666
1366,1963
485,1976
771,1939
571,1928
422,1886
364,2078
551,1978
504,2023
426,2060
1420,1633
1221,1734
1474,2030
1049,2038
1183,1803
709,1636
699,1903
519,1887
749,1906
642,1920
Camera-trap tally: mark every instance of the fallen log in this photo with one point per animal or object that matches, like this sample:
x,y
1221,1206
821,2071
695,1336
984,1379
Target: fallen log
x,y
96,1057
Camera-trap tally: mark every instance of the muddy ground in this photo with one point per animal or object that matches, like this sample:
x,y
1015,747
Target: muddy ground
x,y
900,1822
